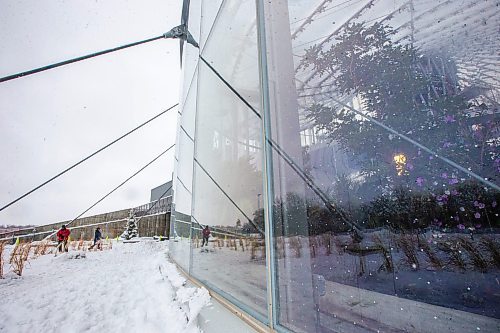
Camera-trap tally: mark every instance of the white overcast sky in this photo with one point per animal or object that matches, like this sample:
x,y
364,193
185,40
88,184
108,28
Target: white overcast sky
x,y
50,120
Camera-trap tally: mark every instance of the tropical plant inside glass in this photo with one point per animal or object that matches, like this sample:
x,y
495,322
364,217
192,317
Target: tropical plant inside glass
x,y
415,94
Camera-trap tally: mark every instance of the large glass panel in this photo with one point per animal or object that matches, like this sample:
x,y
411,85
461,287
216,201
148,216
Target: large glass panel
x,y
180,222
210,10
190,53
387,219
232,47
227,190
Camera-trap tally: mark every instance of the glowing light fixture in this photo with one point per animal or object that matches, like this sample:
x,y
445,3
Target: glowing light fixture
x,y
400,160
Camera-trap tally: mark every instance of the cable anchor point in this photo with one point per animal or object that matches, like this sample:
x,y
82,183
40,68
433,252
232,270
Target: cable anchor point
x,y
181,32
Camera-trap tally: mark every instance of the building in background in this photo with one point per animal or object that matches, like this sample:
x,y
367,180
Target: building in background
x,y
346,156
162,191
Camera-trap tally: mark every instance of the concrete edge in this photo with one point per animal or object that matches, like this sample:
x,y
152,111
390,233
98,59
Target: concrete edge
x,y
247,319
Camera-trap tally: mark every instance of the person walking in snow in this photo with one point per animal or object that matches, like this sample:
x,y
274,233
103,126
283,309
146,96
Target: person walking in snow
x,y
62,238
97,239
206,233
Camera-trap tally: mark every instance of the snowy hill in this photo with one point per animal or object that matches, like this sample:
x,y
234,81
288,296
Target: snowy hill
x,y
131,288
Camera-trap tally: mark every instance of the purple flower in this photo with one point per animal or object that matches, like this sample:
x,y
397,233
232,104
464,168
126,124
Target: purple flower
x,y
461,227
481,205
478,226
409,166
477,215
447,144
443,198
444,175
476,203
494,204
453,181
420,181
454,192
456,218
437,222
449,119
478,134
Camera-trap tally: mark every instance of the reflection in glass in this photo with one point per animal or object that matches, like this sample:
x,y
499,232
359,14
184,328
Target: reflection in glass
x,y
385,164
398,116
228,163
228,179
180,220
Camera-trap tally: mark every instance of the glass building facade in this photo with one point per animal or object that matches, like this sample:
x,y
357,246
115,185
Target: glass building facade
x,y
345,156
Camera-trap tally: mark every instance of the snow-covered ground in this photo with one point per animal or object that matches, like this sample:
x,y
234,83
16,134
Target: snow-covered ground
x,y
131,288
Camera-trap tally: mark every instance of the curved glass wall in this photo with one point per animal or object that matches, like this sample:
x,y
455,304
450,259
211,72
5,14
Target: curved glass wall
x,y
397,109
223,145
383,175
180,220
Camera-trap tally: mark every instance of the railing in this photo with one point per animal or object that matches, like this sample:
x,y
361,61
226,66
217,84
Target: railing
x,y
161,205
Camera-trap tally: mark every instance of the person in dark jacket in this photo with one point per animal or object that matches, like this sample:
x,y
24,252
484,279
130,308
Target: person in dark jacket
x,y
97,239
206,233
62,238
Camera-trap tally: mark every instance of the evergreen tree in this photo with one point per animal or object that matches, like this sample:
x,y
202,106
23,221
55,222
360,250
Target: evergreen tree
x,y
131,229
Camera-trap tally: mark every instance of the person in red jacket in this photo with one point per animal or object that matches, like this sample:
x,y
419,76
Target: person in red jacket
x,y
206,234
62,238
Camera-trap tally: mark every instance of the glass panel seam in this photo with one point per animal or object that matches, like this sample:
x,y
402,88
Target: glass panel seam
x,y
193,183
267,166
216,20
